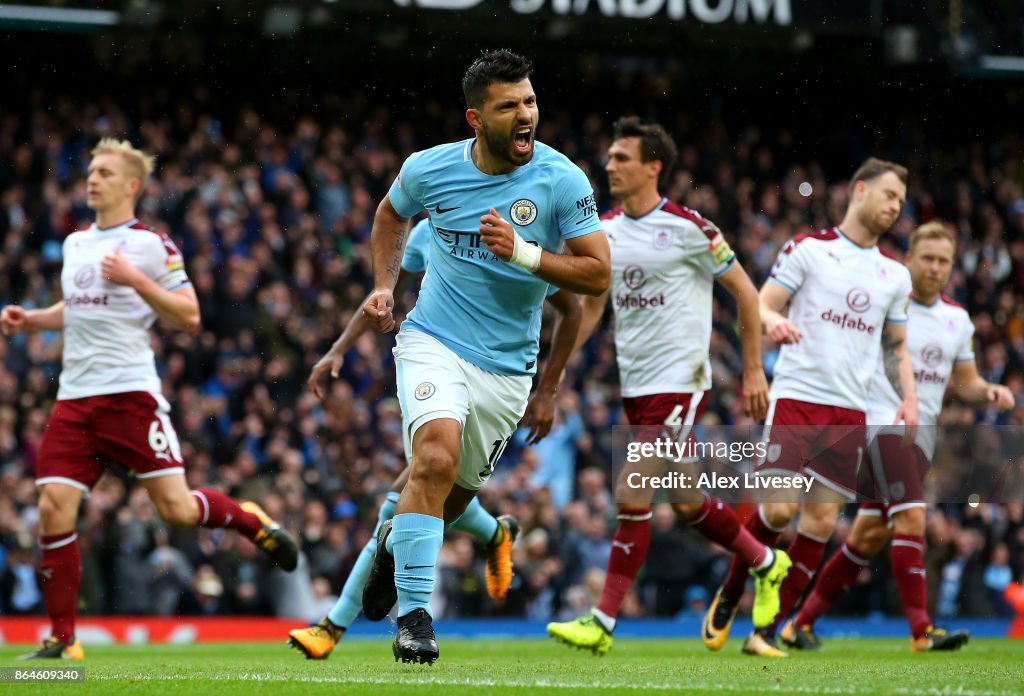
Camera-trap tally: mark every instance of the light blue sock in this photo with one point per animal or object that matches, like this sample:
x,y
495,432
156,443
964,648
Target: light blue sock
x,y
387,511
350,603
476,521
415,542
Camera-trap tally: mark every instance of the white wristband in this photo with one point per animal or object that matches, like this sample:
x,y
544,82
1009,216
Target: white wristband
x,y
525,254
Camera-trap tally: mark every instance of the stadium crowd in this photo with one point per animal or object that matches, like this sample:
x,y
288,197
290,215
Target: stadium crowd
x,y
273,217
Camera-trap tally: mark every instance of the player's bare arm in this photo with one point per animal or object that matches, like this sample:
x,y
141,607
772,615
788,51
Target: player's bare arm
x,y
773,297
179,308
333,360
755,384
591,310
587,270
15,319
899,370
540,410
387,244
971,387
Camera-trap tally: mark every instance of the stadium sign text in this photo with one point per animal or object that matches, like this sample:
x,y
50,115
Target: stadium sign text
x,y
707,11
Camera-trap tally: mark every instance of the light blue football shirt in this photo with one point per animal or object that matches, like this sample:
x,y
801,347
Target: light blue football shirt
x,y
415,258
484,309
417,251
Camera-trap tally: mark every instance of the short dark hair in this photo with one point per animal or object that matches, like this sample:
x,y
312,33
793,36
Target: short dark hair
x,y
655,144
874,168
501,65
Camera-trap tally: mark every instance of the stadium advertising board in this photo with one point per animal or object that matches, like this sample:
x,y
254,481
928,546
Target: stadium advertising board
x,y
779,12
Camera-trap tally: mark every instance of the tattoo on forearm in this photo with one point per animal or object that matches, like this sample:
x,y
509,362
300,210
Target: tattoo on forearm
x,y
891,363
395,267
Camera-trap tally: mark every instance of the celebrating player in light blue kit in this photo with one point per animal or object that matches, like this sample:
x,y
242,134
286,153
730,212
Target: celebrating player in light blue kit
x,y
466,353
497,535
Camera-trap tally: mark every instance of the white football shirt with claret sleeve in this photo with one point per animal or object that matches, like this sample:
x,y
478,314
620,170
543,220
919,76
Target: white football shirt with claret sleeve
x,y
106,325
842,296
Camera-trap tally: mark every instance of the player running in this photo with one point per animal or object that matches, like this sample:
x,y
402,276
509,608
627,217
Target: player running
x,y
939,337
847,304
118,277
496,534
501,207
665,261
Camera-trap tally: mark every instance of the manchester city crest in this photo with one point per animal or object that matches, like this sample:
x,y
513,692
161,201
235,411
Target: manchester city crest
x,y
523,212
425,390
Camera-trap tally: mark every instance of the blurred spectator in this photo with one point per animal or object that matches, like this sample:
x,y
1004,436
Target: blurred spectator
x,y
671,568
205,594
997,577
461,579
556,453
19,589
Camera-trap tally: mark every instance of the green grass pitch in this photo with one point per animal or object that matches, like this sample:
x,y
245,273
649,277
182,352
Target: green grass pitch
x,y
983,668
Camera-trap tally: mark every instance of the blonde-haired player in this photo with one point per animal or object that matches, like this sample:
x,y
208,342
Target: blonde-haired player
x,y
939,336
118,277
138,165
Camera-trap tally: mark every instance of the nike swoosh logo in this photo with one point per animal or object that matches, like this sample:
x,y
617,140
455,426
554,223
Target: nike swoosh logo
x,y
441,211
409,567
707,631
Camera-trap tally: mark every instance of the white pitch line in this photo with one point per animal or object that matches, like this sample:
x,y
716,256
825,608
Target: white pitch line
x,y
536,684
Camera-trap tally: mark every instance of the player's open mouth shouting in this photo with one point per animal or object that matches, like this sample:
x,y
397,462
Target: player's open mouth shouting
x,y
522,139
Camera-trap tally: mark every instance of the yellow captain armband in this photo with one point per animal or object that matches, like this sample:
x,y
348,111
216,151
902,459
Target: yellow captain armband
x,y
720,249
